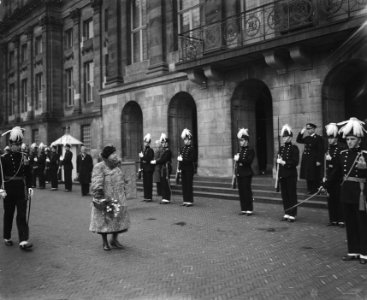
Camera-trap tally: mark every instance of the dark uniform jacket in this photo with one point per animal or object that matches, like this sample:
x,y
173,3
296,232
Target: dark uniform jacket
x,y
243,165
148,156
33,160
54,161
41,161
164,161
333,173
189,158
84,167
312,153
17,175
67,161
347,161
290,154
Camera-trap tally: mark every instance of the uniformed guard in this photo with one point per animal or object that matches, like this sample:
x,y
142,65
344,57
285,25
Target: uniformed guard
x,y
15,176
288,159
312,157
33,162
54,168
333,176
352,162
164,163
186,161
146,157
244,172
41,161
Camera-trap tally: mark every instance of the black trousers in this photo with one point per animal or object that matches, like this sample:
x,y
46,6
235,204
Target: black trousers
x,y
165,189
335,206
34,174
148,185
187,185
159,189
288,188
20,203
85,188
245,192
356,227
41,178
67,179
54,179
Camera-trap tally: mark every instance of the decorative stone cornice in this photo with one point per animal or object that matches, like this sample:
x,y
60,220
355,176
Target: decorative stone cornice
x,y
96,5
198,77
212,74
276,61
299,56
75,15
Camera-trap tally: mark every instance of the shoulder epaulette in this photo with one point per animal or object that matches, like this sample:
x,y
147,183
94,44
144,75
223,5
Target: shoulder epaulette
x,y
345,150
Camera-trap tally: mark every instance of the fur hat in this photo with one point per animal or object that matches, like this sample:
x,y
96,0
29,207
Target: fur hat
x,y
16,134
286,131
352,127
148,138
186,134
331,130
107,151
243,134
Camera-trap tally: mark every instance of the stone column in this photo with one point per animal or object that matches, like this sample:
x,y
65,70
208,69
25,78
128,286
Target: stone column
x,y
157,36
30,74
97,45
16,42
115,41
77,71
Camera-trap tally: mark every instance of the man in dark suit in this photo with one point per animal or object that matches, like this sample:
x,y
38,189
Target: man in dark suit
x,y
146,157
312,157
288,159
15,179
244,172
54,167
41,162
68,168
84,168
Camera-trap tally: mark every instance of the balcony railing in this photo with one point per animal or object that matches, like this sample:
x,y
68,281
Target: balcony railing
x,y
264,23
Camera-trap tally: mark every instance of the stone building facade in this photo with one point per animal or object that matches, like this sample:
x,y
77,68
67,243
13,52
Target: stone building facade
x,y
212,66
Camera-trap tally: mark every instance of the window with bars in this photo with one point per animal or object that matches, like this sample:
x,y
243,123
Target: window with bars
x,y
38,45
88,31
38,97
139,51
88,81
68,38
69,88
12,99
24,96
86,136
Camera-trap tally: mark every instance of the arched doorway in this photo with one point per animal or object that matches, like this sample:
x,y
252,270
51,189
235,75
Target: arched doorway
x,y
344,92
131,131
181,114
251,107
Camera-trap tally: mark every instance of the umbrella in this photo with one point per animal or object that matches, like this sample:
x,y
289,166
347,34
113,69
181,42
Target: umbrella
x,y
66,139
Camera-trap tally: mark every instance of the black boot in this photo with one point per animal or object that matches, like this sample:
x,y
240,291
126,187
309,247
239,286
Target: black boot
x,y
106,246
114,242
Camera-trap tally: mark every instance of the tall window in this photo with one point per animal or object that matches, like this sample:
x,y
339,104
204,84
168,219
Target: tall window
x,y
12,99
86,136
24,53
139,50
11,59
188,15
24,96
88,32
106,20
38,90
88,81
38,45
35,136
69,89
68,38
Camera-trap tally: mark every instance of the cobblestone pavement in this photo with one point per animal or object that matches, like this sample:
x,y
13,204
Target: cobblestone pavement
x,y
172,252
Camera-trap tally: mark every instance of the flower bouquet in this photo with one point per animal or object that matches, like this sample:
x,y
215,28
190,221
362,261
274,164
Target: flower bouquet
x,y
109,207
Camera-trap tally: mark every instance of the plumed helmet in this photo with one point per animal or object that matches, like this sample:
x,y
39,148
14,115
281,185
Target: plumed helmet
x,y
163,138
34,145
352,127
16,134
243,134
286,131
186,134
331,130
42,145
148,138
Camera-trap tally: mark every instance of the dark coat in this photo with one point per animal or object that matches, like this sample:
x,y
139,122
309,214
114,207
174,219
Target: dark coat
x,y
313,152
243,165
333,173
67,161
148,156
189,158
84,167
41,161
54,161
164,162
290,154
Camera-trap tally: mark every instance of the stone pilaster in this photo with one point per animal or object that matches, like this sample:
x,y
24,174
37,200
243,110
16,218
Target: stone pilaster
x,y
77,72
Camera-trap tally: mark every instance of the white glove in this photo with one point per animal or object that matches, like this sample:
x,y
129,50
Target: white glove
x,y
281,161
153,162
328,157
318,164
179,158
236,157
141,154
2,194
35,159
47,159
303,130
30,192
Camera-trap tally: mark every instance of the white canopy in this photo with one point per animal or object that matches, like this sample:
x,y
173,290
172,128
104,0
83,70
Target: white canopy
x,y
66,139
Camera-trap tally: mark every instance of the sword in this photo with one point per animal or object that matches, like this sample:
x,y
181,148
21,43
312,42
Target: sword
x,y
321,188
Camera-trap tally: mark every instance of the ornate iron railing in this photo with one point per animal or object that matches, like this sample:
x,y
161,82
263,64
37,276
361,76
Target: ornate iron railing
x,y
265,23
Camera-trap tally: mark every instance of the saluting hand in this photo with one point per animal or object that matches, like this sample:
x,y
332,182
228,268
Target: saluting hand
x,y
303,130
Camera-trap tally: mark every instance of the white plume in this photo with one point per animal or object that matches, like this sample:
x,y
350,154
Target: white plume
x,y
34,145
186,133
148,138
15,134
331,129
241,132
163,137
353,126
285,128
